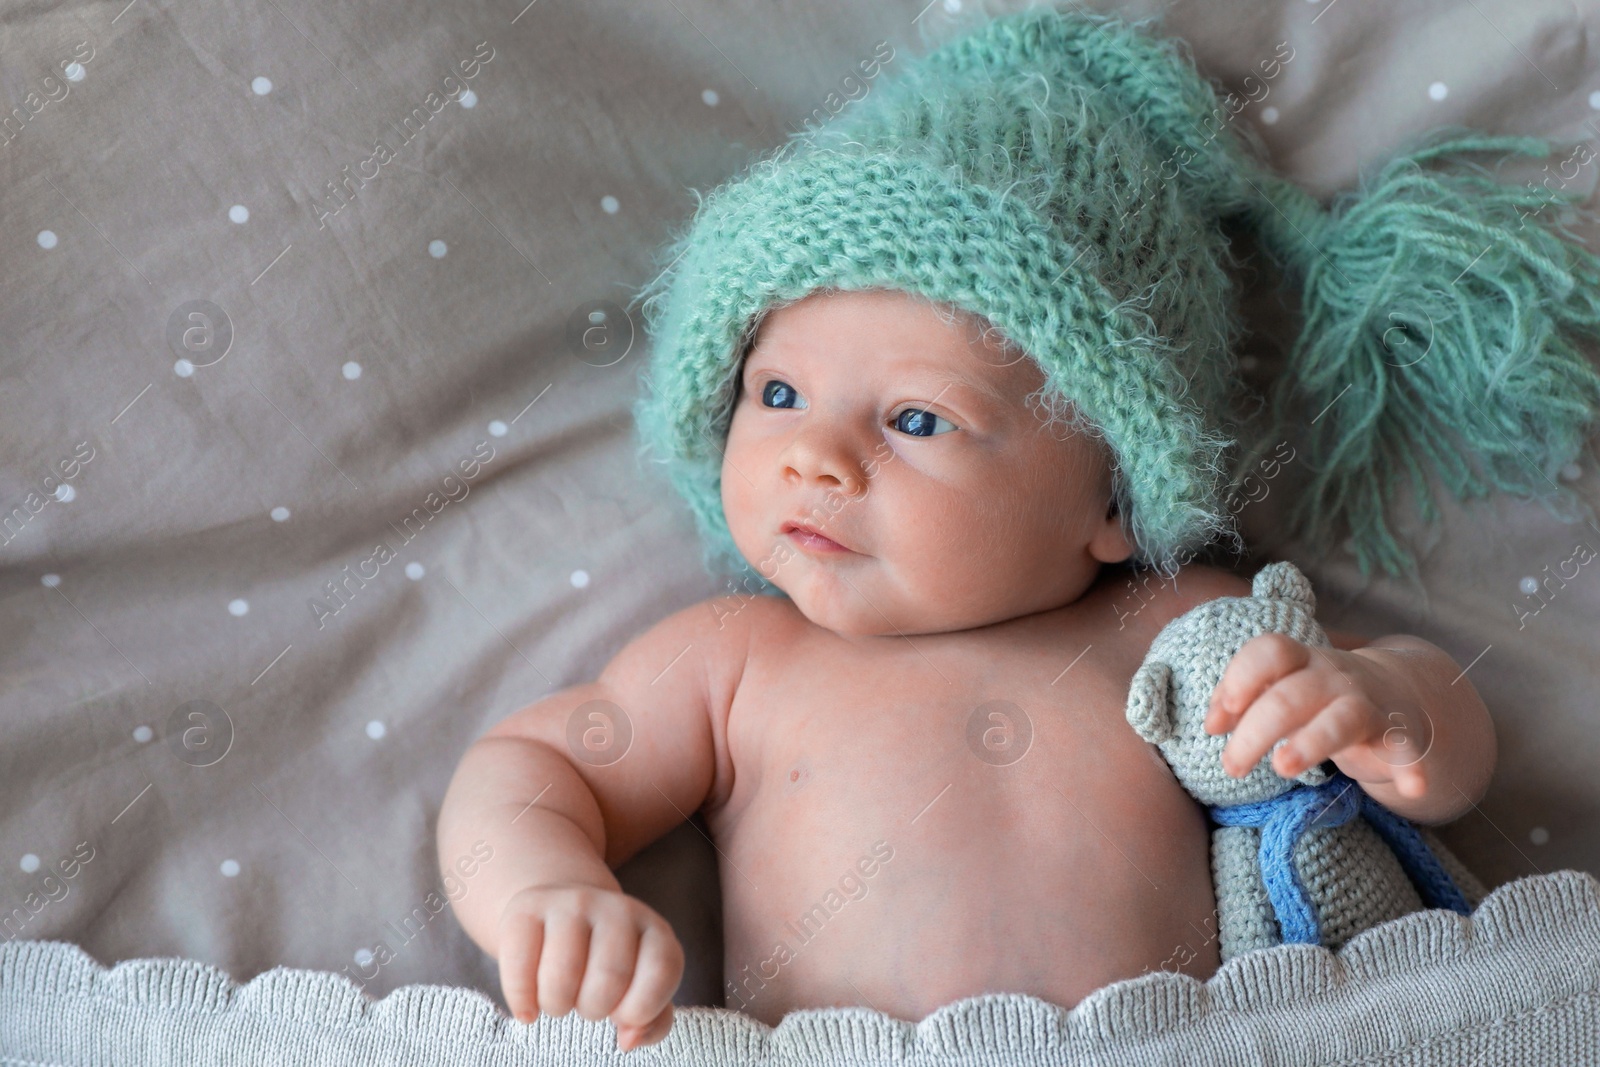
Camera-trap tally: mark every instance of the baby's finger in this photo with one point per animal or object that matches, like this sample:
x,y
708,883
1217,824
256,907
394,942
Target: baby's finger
x,y
566,948
1259,663
655,977
631,1037
1346,720
521,936
1411,781
613,947
1407,737
1286,706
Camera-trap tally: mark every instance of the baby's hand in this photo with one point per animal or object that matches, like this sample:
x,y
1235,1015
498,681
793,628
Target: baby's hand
x,y
1330,703
606,953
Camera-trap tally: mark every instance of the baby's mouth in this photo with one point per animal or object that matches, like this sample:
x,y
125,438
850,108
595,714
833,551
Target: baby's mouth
x,y
811,539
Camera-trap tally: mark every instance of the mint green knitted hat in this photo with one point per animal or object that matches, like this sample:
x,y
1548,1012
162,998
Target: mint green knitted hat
x,y
1066,177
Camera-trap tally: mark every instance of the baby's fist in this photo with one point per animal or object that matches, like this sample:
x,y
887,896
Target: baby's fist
x,y
599,950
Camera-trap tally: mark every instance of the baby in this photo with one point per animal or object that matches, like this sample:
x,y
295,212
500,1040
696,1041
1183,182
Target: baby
x,y
932,717
939,378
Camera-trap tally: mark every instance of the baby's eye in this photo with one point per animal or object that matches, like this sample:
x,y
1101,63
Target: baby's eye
x,y
919,422
775,392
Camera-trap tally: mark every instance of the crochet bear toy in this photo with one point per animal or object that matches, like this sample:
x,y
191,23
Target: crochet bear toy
x,y
1310,859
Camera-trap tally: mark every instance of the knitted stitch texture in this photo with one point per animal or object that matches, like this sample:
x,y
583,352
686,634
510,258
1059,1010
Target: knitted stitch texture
x,y
1284,821
1064,176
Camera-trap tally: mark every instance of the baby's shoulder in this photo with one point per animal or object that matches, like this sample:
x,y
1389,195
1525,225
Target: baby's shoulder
x,y
1199,582
718,630
744,622
724,630
1145,600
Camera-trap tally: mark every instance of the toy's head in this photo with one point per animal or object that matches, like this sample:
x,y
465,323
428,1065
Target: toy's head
x,y
1171,690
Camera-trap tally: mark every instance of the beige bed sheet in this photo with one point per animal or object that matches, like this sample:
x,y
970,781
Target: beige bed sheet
x,y
411,361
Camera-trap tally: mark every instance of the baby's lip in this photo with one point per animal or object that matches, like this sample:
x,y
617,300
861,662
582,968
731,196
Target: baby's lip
x,y
812,538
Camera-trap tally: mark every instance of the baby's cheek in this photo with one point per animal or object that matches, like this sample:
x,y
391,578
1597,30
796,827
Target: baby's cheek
x,y
1002,540
948,534
737,495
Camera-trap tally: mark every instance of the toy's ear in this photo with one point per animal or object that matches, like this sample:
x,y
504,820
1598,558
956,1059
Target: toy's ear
x,y
1149,709
1316,774
1283,581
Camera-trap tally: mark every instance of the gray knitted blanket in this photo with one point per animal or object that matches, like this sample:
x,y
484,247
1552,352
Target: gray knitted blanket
x,y
1518,982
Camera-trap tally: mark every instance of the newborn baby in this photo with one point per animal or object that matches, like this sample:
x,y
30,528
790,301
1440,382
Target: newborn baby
x,y
991,329
931,719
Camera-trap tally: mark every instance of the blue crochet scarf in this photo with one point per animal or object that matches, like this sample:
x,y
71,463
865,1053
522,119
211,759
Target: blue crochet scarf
x,y
1288,815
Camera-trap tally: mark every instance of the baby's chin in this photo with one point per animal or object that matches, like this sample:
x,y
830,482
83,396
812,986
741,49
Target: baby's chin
x,y
862,595
843,599
858,603
827,601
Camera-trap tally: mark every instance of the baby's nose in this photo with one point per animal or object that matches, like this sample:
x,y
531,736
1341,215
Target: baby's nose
x,y
830,464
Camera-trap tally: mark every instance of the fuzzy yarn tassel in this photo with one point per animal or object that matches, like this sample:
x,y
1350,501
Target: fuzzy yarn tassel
x,y
1445,324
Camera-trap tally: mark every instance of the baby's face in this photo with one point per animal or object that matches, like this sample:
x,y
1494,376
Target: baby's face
x,y
909,442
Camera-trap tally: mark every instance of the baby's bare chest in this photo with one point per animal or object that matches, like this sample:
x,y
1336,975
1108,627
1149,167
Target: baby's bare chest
x,y
950,793
827,731
921,710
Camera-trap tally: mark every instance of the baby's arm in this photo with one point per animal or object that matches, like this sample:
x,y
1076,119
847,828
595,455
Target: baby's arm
x,y
546,905
1458,763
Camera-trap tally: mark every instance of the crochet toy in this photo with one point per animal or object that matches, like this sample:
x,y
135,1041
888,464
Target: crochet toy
x,y
1311,859
1066,176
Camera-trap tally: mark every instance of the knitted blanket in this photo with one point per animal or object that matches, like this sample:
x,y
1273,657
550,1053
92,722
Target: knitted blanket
x,y
1518,981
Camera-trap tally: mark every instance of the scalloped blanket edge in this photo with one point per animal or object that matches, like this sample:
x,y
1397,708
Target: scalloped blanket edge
x,y
1519,979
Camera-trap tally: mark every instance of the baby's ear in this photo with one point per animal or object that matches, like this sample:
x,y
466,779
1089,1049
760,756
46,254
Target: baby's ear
x,y
1283,581
1149,709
